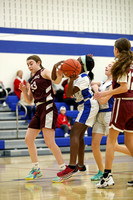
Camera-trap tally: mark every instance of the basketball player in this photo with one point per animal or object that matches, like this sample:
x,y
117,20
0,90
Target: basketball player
x,y
122,113
88,108
45,116
101,125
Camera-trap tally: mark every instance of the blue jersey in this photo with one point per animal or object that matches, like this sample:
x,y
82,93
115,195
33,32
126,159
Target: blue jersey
x,y
85,93
109,104
87,106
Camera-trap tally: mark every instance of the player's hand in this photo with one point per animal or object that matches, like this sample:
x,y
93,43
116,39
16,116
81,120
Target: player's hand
x,y
73,76
58,64
98,95
22,87
58,67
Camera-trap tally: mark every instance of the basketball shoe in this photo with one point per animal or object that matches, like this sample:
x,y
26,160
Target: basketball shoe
x,y
104,182
97,176
65,174
34,173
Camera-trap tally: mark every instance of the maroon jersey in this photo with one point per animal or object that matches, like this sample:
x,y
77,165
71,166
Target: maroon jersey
x,y
41,88
129,79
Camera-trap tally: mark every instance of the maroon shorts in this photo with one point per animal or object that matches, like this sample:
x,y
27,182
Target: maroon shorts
x,y
122,115
45,116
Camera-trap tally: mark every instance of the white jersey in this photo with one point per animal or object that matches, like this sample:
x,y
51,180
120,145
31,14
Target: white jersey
x,y
109,104
87,106
85,93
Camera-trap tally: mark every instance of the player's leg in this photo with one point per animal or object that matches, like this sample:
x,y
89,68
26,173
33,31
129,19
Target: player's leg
x,y
122,149
75,134
129,144
129,141
96,140
29,140
107,179
49,137
80,164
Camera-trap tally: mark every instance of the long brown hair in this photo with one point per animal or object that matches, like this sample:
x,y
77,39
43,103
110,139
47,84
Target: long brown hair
x,y
36,59
125,58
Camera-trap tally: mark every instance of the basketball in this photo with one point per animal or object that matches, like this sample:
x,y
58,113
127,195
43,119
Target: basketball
x,y
71,66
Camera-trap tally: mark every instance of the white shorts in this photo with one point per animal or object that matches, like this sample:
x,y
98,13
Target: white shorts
x,y
101,125
87,112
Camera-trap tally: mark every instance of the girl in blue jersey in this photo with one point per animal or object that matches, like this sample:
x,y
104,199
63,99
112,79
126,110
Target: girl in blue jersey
x,y
88,108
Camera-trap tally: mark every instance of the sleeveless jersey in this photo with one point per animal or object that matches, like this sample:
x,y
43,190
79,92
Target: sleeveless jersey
x,y
109,104
125,78
41,88
87,106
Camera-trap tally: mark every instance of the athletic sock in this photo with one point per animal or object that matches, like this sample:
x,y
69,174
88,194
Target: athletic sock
x,y
106,172
72,166
35,165
62,167
80,166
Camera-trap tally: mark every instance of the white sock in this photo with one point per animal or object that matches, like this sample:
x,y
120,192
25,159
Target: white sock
x,y
62,167
35,165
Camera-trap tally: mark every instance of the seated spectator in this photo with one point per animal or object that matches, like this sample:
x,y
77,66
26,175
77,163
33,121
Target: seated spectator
x,y
62,121
3,91
31,108
69,100
17,81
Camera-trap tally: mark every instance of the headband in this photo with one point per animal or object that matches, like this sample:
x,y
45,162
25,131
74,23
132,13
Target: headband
x,y
83,59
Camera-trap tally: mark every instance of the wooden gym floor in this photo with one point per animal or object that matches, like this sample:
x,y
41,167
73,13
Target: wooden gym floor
x,y
14,187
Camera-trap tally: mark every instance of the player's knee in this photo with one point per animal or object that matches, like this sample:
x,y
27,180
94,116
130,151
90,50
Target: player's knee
x,y
28,141
94,146
49,144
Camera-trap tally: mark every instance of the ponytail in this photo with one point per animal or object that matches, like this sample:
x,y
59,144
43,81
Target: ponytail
x,y
125,58
91,75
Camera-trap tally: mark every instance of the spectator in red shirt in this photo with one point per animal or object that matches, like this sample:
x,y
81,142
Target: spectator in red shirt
x,y
62,121
17,81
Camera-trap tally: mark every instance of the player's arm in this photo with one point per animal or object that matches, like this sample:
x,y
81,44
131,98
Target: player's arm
x,y
28,96
70,89
57,74
48,75
103,100
121,89
95,83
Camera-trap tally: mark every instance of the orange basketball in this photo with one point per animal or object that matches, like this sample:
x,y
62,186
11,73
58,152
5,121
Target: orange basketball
x,y
71,66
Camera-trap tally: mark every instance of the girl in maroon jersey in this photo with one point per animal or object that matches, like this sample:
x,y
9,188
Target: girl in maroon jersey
x,y
122,113
46,115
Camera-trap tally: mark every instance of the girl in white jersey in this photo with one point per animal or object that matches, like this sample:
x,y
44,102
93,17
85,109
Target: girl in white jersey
x,y
88,108
101,125
122,113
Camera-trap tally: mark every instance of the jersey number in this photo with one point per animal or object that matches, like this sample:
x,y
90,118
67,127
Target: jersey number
x,y
130,80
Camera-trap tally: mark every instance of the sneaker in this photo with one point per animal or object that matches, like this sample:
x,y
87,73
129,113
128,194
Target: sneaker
x,y
57,179
130,183
81,169
104,182
66,173
97,176
34,173
66,135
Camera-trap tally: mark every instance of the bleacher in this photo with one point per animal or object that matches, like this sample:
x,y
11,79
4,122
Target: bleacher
x,y
12,142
